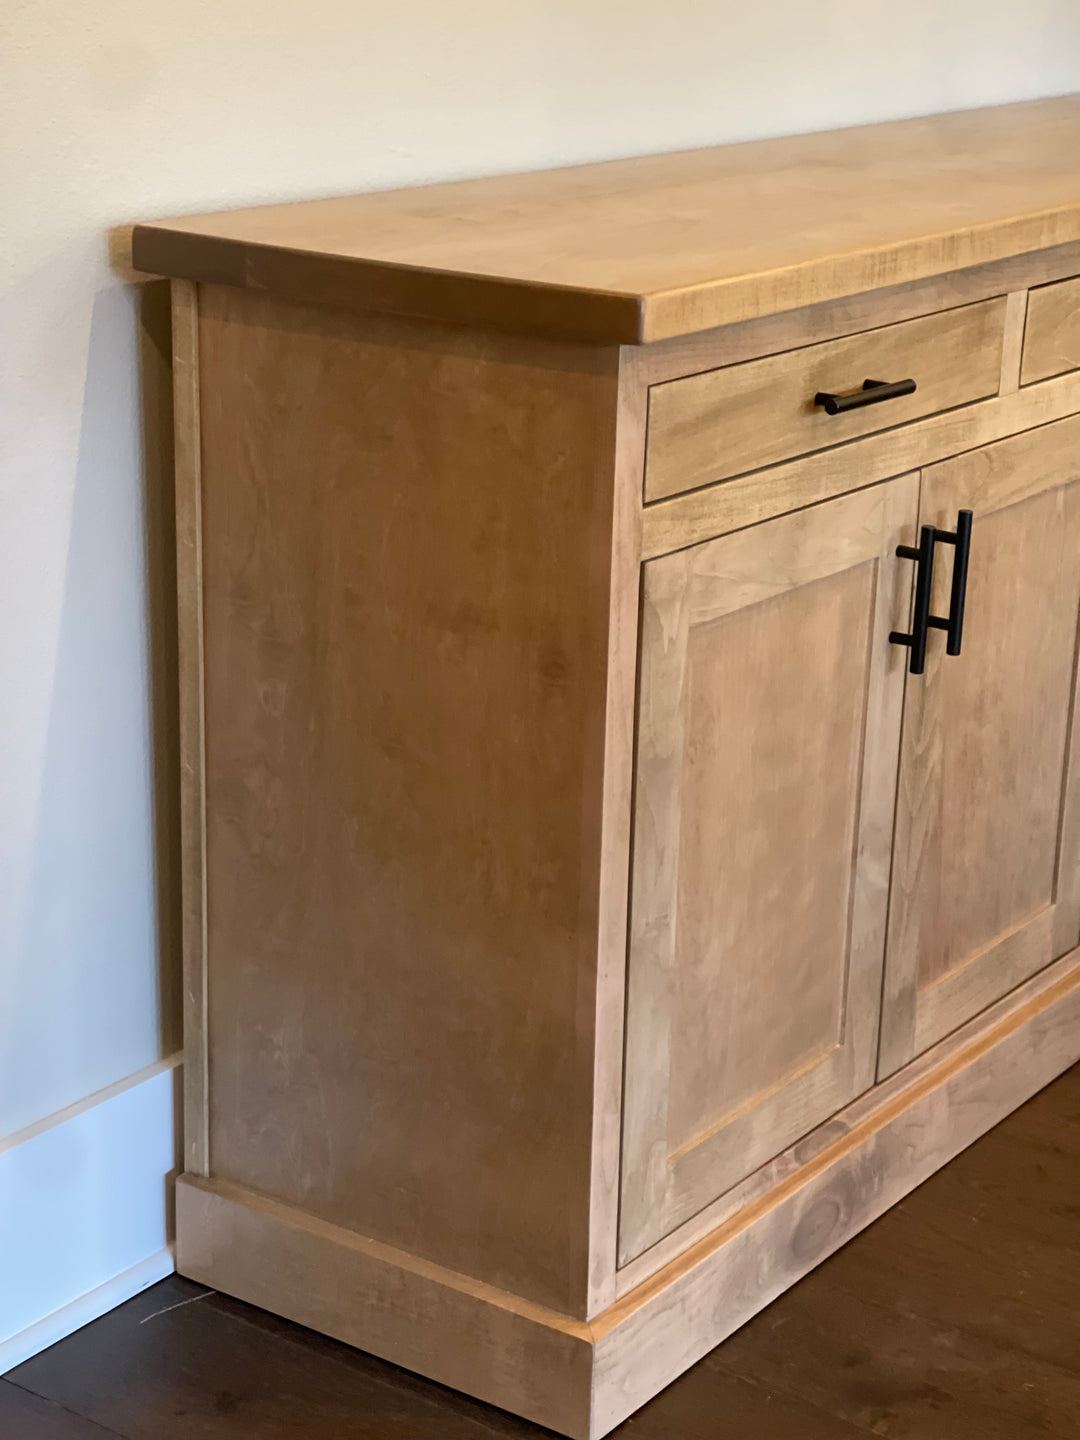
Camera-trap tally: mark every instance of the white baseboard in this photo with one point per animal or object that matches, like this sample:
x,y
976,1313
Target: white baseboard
x,y
80,1312
86,1210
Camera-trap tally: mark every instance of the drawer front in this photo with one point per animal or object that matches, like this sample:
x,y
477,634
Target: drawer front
x,y
725,422
1052,334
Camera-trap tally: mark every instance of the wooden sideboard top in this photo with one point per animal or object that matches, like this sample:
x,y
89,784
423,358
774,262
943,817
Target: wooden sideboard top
x,y
645,249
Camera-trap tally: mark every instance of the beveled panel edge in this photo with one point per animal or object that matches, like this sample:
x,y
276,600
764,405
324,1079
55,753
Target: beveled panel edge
x,y
808,1155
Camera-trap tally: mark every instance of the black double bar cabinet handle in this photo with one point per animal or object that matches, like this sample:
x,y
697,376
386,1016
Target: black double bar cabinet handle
x,y
923,556
922,621
872,393
953,625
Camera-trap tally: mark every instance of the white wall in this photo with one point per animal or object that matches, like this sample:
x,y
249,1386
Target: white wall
x,y
84,1211
127,109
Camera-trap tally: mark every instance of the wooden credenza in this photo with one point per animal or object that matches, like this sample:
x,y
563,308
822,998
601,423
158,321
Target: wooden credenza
x,y
597,906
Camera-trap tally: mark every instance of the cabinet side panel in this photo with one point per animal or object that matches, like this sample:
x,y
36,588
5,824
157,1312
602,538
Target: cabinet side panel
x,y
407,543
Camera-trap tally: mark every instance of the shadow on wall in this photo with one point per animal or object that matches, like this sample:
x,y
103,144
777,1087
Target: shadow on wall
x,y
100,951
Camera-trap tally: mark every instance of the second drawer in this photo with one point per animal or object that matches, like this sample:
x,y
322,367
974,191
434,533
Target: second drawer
x,y
722,423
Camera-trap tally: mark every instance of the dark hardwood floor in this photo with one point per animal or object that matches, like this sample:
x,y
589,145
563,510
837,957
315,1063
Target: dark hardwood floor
x,y
955,1317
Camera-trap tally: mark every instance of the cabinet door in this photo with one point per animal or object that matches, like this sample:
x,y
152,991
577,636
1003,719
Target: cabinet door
x,y
768,735
986,869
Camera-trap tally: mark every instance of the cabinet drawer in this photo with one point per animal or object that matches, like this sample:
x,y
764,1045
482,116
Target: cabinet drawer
x,y
1052,334
722,423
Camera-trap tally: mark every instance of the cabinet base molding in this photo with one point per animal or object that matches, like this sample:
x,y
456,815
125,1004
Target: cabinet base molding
x,y
583,1378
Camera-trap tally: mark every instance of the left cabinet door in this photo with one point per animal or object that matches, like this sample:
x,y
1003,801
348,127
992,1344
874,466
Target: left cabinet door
x,y
768,734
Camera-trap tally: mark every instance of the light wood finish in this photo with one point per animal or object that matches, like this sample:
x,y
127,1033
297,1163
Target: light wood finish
x,y
482,1340
768,727
1052,339
687,519
185,329
643,249
880,1099
983,892
437,653
1012,350
661,1328
610,990
829,319
403,903
583,1378
713,426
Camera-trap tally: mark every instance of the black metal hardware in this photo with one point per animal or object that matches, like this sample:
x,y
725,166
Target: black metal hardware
x,y
872,393
953,624
922,621
924,579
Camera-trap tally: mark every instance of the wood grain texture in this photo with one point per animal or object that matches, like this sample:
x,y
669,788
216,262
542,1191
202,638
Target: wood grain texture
x,y
713,426
686,519
643,249
954,1312
474,1337
1052,338
407,567
411,569
658,1330
607,997
976,867
829,319
902,1369
982,977
538,1363
188,443
180,1360
807,1150
1012,350
768,727
24,1416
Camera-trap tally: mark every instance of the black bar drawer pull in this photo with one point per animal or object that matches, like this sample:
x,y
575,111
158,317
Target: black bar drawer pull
x,y
953,624
872,393
924,579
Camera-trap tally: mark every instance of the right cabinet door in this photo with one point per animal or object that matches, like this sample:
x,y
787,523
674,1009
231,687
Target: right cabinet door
x,y
986,861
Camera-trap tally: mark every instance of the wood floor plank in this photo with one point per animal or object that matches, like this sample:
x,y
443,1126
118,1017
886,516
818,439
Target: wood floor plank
x,y
708,1403
181,1361
1020,1182
1024,1301
899,1376
955,1315
24,1416
702,1405
168,1366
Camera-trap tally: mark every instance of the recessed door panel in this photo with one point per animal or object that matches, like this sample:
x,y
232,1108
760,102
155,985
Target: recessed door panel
x,y
985,885
768,733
